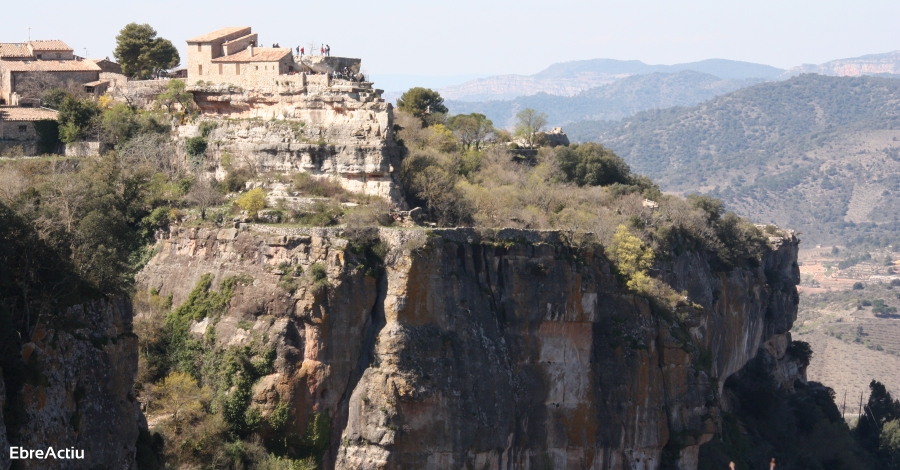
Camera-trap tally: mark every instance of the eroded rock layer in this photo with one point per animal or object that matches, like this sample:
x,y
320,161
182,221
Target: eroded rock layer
x,y
325,127
473,349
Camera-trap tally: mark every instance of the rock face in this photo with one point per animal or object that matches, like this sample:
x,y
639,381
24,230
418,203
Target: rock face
x,y
326,127
487,349
78,391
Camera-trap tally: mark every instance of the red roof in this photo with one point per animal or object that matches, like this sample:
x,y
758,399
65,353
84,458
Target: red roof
x,y
49,45
49,66
260,54
221,33
27,114
12,49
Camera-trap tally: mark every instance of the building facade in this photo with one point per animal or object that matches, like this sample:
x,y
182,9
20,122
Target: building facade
x,y
233,55
25,67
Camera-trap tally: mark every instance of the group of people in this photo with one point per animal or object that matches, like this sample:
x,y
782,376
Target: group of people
x,y
347,74
325,50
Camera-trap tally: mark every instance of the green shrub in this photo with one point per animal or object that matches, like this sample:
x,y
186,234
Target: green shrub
x,y
195,147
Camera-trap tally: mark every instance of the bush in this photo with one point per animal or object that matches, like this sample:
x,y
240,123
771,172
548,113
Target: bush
x,y
235,180
252,201
592,164
858,286
801,350
195,147
317,187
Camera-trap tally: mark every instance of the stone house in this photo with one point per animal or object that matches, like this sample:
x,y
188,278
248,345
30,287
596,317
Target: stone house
x,y
17,127
40,60
232,55
108,66
226,55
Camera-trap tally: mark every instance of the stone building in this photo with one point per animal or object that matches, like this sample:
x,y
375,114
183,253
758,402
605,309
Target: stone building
x,y
233,55
17,127
287,114
108,66
40,61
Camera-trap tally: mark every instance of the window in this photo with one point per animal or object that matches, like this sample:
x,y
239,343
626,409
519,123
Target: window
x,y
23,128
39,56
257,67
237,69
199,47
220,69
200,69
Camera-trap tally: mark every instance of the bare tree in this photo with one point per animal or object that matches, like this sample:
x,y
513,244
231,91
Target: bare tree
x,y
153,150
204,195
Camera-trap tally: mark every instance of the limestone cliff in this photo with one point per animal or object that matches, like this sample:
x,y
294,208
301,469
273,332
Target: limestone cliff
x,y
325,127
484,349
77,390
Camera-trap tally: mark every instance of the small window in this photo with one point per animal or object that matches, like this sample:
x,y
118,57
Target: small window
x,y
257,67
23,128
39,56
200,70
199,47
237,69
220,69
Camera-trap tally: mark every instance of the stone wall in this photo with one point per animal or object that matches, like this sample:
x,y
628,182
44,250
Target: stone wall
x,y
82,149
17,130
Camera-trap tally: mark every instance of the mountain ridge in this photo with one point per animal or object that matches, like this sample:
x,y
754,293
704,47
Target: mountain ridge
x,y
616,100
571,78
818,153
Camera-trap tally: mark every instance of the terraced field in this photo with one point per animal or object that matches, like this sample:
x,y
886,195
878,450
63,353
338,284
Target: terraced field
x,y
851,345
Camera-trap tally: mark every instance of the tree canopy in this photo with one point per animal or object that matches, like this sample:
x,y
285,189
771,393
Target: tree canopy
x,y
471,129
141,53
592,164
420,101
528,123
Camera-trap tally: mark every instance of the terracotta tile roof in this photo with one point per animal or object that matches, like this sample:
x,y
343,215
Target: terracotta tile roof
x,y
260,54
12,49
220,33
27,114
49,66
238,39
51,45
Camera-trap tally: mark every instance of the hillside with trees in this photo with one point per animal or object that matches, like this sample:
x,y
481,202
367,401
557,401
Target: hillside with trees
x,y
819,154
617,100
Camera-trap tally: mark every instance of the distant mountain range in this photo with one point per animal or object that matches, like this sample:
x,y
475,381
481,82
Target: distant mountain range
x,y
874,64
815,153
571,78
616,100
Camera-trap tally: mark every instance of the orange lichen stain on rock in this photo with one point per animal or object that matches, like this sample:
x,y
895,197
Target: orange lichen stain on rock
x,y
581,425
39,333
27,350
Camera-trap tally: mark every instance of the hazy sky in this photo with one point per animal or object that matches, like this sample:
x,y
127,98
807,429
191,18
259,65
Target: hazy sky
x,y
491,37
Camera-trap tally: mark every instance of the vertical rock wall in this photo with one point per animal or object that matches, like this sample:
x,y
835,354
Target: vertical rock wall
x,y
78,393
488,349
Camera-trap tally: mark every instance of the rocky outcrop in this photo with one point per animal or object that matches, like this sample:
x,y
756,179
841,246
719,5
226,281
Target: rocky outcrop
x,y
78,389
328,128
486,349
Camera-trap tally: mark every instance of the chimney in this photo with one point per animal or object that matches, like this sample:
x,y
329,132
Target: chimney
x,y
250,49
